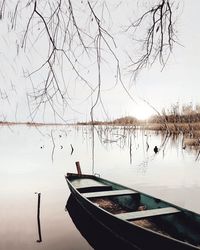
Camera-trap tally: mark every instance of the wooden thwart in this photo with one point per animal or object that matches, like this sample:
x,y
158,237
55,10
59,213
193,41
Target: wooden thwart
x,y
109,193
148,213
91,189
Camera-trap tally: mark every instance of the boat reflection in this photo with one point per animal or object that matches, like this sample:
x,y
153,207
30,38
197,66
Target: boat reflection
x,y
96,234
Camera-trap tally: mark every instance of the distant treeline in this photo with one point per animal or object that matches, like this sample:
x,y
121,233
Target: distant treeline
x,y
127,120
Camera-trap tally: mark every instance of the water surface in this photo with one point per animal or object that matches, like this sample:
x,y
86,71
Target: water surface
x,y
36,160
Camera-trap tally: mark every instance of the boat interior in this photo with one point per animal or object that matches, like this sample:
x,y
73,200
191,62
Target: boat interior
x,y
140,209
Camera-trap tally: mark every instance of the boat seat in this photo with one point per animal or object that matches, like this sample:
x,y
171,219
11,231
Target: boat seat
x,y
109,193
147,213
91,189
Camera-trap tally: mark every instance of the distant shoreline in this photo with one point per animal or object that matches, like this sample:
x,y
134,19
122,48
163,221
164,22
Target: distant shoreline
x,y
189,131
31,124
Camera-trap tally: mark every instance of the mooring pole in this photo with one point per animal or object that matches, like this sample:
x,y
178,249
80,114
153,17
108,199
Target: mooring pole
x,y
78,167
38,218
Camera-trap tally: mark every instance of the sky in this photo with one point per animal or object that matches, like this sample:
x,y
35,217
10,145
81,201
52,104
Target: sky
x,y
177,82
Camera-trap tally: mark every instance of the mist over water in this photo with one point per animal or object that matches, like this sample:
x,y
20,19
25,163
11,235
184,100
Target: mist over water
x,y
36,160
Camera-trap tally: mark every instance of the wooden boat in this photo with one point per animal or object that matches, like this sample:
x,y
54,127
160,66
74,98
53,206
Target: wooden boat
x,y
134,219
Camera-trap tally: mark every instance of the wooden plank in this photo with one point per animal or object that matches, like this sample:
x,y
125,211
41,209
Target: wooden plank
x,y
92,189
109,193
86,182
147,213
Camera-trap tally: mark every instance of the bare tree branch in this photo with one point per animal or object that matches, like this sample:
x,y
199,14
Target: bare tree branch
x,y
68,37
159,39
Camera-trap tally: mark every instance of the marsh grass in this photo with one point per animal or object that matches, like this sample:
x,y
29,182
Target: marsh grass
x,y
190,131
119,129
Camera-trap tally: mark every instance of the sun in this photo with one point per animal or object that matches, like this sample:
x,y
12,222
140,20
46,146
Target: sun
x,y
142,112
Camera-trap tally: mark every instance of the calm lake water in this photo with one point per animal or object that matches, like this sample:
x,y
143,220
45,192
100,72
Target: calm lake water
x,y
36,160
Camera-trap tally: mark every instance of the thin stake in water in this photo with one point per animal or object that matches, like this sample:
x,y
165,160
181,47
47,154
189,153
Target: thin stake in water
x,y
38,218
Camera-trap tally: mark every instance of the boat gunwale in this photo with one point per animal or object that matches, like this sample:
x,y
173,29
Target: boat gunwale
x,y
122,186
78,176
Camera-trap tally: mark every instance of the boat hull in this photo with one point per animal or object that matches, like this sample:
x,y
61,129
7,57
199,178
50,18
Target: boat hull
x,y
128,235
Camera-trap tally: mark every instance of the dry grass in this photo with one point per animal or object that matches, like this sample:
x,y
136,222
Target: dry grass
x,y
191,142
174,127
190,131
108,205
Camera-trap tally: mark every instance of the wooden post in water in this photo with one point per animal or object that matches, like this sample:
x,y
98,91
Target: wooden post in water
x,y
38,218
78,167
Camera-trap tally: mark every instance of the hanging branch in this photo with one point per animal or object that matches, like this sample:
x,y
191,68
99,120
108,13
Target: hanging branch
x,y
159,37
58,23
69,36
101,41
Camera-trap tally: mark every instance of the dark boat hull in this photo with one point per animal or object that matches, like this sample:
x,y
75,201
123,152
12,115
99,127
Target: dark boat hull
x,y
128,235
96,234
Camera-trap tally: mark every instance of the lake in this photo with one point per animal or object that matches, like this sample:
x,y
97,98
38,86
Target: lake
x,y
36,160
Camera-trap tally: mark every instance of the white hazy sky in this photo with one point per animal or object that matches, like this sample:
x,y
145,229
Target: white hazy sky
x,y
178,82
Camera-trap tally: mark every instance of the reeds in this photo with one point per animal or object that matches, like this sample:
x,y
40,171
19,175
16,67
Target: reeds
x,y
190,131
